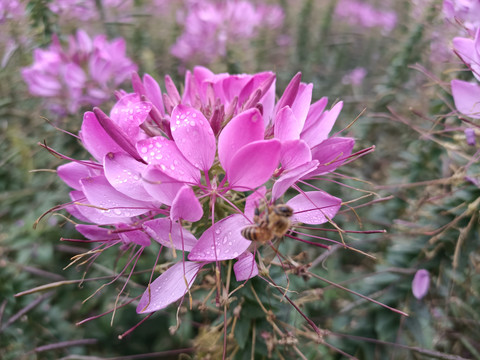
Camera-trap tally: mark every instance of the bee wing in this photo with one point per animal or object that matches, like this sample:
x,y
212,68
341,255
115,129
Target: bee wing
x,y
270,250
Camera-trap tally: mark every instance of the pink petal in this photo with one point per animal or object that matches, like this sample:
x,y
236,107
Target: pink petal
x,y
124,174
95,139
320,129
286,125
294,153
186,206
290,93
94,232
172,90
314,207
193,136
72,172
164,153
246,267
129,113
254,200
170,234
253,164
467,98
153,92
169,287
315,112
264,81
100,193
229,242
240,131
301,105
85,212
332,153
134,236
116,133
159,185
289,178
466,49
421,283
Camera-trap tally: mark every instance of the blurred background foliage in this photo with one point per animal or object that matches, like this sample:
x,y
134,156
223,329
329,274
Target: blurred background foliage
x,y
423,200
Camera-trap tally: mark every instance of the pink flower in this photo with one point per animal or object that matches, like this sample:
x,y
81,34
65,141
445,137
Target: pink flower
x,y
84,74
355,77
466,12
421,283
11,10
85,10
188,170
365,15
211,27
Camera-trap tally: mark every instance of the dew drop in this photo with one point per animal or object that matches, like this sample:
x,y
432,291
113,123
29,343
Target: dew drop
x,y
144,149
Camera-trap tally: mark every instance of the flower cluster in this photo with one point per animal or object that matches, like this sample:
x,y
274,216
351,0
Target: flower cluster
x,y
359,13
11,9
212,26
466,12
85,10
191,171
84,74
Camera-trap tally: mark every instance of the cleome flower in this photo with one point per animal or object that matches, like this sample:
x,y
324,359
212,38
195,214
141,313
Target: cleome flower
x,y
190,171
84,74
212,25
85,10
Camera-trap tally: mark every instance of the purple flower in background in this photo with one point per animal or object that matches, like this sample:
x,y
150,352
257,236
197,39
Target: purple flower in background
x,y
355,77
211,27
188,170
11,10
470,136
466,12
85,10
358,13
86,73
421,283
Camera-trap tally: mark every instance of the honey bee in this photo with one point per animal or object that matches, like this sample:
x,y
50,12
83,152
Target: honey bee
x,y
272,224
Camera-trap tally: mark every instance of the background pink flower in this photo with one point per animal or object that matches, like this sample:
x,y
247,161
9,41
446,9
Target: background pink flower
x,y
86,73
